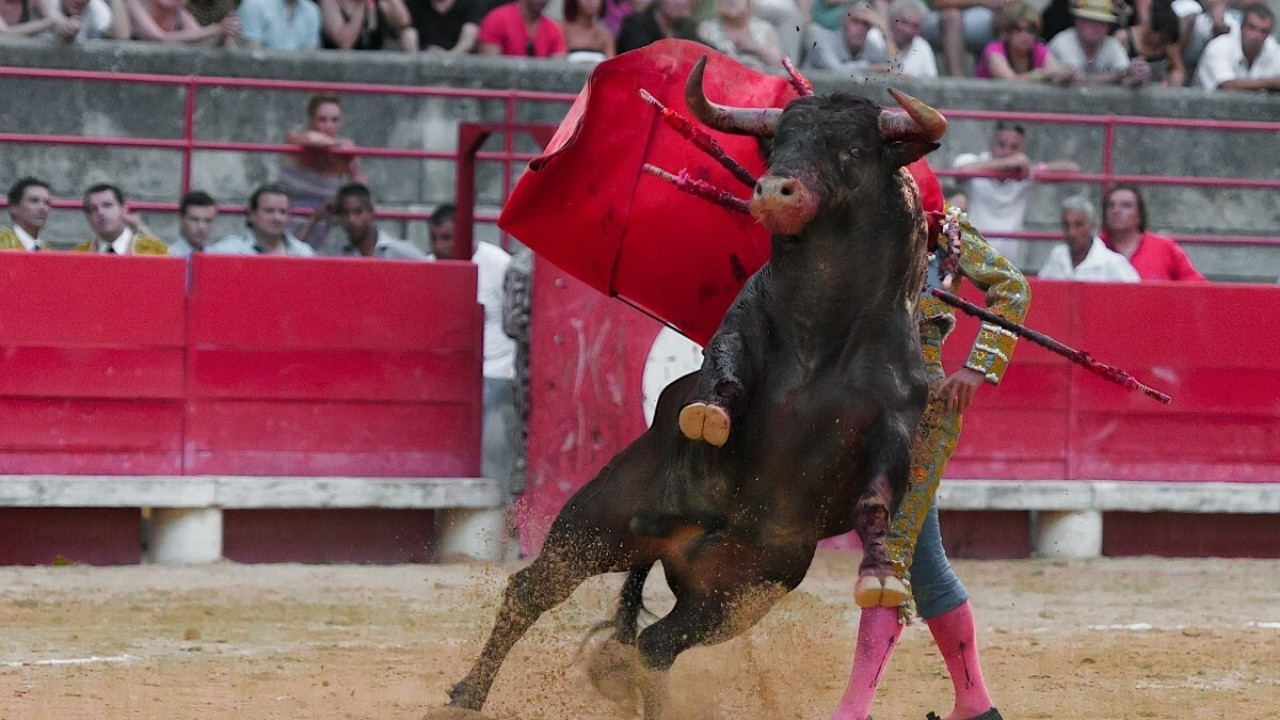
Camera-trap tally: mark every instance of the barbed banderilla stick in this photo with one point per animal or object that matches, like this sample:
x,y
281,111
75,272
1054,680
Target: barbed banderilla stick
x,y
700,188
1079,357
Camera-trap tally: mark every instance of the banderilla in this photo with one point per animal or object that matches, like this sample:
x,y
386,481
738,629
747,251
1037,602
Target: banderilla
x,y
1079,357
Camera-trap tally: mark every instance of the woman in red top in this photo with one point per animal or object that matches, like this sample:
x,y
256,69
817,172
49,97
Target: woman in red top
x,y
1155,257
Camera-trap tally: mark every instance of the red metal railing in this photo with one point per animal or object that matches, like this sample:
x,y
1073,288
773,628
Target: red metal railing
x,y
1108,176
188,145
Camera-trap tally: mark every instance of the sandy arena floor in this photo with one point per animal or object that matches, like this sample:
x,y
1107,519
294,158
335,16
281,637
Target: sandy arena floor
x,y
1084,640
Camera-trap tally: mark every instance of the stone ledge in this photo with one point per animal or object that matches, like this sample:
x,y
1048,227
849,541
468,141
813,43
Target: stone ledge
x,y
1110,496
247,492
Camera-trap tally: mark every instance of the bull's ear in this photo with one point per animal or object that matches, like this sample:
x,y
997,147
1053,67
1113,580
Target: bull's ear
x,y
906,152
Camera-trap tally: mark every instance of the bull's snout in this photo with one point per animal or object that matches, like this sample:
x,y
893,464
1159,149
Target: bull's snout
x,y
784,205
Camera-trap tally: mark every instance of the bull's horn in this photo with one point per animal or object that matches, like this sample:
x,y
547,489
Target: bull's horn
x,y
920,122
739,121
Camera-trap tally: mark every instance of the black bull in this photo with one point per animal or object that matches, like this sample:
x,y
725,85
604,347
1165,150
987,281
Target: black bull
x,y
798,426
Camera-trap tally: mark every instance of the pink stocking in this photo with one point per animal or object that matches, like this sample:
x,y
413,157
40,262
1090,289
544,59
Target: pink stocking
x,y
953,631
878,633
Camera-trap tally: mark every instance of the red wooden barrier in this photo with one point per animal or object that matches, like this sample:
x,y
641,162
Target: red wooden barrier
x,y
90,383
268,366
1205,345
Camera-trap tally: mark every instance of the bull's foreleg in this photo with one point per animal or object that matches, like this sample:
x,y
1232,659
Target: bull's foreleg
x,y
728,366
709,414
544,584
878,585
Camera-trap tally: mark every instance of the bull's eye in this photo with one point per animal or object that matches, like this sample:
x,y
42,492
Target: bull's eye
x,y
849,155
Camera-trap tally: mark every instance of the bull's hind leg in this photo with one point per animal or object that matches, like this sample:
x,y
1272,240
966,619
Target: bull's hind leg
x,y
545,583
721,591
612,667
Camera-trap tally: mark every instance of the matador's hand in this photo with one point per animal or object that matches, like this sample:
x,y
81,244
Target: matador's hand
x,y
959,389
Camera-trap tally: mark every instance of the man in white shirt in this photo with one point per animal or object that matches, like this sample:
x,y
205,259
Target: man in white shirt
x,y
29,207
1083,255
268,216
500,424
914,56
196,213
858,47
1087,51
1244,60
998,204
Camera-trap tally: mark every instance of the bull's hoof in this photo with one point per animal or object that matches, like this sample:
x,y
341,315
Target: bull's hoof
x,y
700,421
895,592
871,591
867,591
613,669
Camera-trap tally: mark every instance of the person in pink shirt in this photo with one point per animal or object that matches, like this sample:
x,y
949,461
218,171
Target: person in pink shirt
x,y
1155,257
520,28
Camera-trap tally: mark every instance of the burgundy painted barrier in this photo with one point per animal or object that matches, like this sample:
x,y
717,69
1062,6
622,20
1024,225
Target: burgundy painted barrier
x,y
266,366
1206,345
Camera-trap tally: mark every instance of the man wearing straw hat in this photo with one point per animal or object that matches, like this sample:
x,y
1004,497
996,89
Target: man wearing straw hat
x,y
1090,53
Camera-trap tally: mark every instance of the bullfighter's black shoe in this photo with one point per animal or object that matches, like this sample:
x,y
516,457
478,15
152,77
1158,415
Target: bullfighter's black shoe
x,y
992,714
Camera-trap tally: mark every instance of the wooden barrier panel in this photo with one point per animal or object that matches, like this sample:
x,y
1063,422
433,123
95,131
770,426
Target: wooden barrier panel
x,y
90,383
1206,345
267,367
333,367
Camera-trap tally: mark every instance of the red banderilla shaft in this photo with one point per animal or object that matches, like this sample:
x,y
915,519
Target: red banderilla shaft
x,y
1079,357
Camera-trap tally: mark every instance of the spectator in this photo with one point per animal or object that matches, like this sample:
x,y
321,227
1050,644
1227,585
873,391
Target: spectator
x,y
1155,257
914,56
74,20
167,21
116,230
962,28
998,204
615,11
1201,22
364,24
505,31
1089,54
738,33
1019,54
858,47
211,12
29,207
1248,60
18,17
662,19
446,26
1154,40
267,218
313,175
499,442
354,208
517,306
585,35
196,213
280,24
1083,255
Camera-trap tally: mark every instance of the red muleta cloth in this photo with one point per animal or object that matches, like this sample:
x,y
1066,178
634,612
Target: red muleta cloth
x,y
587,206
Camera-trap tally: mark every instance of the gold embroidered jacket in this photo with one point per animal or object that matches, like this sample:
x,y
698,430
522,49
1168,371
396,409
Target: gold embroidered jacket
x,y
1007,294
142,245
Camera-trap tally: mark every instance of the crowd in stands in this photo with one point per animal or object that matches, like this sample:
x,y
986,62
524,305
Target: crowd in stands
x,y
1212,44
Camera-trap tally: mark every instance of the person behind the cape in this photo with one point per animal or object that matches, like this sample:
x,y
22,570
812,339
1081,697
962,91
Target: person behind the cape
x,y
915,541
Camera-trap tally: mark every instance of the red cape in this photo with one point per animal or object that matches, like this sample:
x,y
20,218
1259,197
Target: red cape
x,y
587,206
